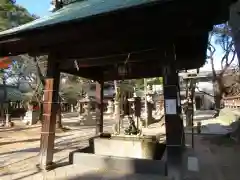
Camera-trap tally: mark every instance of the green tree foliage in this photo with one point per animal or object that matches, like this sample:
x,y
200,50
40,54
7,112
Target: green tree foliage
x,y
139,83
12,14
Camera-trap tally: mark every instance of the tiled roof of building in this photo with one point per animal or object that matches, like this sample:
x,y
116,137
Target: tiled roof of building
x,y
13,94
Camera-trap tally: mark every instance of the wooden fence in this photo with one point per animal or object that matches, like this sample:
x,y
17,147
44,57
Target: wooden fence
x,y
232,102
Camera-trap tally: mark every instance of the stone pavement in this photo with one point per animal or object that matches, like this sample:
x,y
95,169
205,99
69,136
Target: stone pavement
x,y
217,160
19,155
73,172
20,148
210,125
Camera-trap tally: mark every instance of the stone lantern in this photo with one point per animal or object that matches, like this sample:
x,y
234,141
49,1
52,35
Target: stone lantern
x,y
88,117
32,114
110,107
150,105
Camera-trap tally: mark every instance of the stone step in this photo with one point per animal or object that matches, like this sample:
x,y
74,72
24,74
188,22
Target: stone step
x,y
86,173
120,164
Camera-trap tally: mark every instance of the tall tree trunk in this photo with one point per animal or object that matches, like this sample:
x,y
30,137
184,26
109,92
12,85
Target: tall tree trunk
x,y
217,95
4,99
59,116
59,120
218,98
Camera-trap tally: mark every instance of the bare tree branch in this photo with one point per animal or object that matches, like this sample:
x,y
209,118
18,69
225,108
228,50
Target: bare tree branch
x,y
204,92
212,50
40,75
226,59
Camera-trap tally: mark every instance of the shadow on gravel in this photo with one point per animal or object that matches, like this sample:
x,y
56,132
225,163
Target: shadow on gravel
x,y
15,129
115,176
220,140
20,142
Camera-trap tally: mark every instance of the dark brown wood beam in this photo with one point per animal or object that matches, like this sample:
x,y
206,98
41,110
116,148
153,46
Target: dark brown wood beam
x,y
154,54
93,73
173,120
137,69
186,49
150,45
50,108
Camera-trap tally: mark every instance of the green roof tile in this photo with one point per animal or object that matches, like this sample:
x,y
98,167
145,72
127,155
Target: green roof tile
x,y
13,94
77,11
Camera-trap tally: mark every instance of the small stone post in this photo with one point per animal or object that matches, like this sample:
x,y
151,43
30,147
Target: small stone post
x,y
117,114
149,107
110,107
8,122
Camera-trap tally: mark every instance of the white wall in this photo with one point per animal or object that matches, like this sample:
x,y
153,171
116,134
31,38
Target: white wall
x,y
205,86
207,99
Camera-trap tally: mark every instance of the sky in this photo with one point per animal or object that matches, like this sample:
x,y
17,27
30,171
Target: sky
x,y
39,8
42,9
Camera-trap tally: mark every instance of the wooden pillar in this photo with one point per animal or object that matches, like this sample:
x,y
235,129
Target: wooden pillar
x,y
234,22
50,108
173,120
100,106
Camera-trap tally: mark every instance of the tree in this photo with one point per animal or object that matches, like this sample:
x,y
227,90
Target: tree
x,y
139,83
227,45
12,15
32,70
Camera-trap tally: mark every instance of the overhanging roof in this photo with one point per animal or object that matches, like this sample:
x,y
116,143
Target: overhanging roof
x,y
83,10
96,28
78,11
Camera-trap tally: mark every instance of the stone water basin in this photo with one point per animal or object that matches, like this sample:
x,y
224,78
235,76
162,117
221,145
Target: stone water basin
x,y
127,154
141,147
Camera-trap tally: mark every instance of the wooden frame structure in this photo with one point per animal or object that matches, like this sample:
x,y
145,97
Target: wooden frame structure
x,y
149,38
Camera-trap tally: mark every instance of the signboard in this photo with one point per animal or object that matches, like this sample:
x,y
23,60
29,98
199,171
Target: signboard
x,y
171,106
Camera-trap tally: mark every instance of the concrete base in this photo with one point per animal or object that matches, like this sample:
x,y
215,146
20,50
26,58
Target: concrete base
x,y
129,146
124,165
129,155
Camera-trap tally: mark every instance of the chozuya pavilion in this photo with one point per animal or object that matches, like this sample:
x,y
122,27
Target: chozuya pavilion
x,y
148,38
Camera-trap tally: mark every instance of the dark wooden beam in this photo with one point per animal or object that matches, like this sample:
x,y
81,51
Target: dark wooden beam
x,y
151,46
173,121
50,108
154,54
188,55
93,73
139,69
